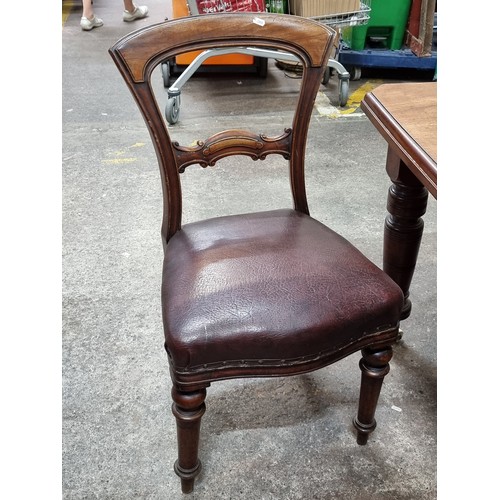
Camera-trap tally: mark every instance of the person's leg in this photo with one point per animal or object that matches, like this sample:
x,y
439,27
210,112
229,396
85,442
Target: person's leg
x,y
88,10
132,12
89,20
129,5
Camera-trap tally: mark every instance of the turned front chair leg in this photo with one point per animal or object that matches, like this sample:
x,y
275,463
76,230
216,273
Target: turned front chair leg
x,y
374,367
188,408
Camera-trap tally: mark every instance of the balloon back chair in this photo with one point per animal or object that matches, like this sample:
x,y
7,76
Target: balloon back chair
x,y
265,294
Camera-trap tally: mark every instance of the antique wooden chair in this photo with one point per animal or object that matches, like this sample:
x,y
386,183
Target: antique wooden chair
x,y
265,294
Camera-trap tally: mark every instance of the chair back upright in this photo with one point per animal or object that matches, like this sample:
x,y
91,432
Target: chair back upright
x,y
138,53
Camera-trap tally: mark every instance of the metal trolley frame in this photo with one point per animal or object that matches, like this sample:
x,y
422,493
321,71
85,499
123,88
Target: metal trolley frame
x,y
337,21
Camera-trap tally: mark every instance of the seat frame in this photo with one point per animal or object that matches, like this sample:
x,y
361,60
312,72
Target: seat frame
x,y
136,55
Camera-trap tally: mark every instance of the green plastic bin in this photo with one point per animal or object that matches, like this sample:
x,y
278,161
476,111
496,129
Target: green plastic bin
x,y
387,25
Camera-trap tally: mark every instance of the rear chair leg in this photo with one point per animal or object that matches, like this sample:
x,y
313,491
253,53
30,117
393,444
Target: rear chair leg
x,y
374,367
188,408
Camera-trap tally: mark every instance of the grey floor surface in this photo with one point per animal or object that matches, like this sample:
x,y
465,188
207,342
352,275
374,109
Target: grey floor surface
x,y
287,438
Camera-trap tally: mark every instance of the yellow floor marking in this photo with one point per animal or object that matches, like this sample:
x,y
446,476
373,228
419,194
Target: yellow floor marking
x,y
67,7
358,95
324,107
117,161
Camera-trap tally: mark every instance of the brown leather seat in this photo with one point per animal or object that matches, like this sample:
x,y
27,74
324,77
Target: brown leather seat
x,y
237,291
261,294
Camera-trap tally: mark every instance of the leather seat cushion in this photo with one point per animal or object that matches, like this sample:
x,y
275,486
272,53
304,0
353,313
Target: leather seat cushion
x,y
275,285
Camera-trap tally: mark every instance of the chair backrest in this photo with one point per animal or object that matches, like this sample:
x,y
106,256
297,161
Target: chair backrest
x,y
138,53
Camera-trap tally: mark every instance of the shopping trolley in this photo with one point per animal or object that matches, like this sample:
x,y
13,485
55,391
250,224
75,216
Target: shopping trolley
x,y
196,7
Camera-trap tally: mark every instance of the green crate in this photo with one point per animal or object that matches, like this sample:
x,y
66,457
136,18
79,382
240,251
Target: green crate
x,y
387,24
277,6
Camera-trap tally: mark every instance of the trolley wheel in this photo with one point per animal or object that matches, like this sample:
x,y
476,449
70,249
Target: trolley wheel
x,y
355,73
343,91
326,75
165,73
172,109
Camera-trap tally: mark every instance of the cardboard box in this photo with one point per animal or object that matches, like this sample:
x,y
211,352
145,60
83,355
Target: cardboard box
x,y
313,8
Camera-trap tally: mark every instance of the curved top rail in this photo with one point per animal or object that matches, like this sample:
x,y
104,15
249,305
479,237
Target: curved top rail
x,y
143,49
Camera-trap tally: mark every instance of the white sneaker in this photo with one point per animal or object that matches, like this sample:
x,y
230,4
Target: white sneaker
x,y
138,13
88,24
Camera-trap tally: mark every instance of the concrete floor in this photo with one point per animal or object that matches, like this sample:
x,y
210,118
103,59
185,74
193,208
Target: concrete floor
x,y
118,432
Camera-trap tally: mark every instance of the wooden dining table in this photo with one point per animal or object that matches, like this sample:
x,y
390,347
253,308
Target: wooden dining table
x,y
405,114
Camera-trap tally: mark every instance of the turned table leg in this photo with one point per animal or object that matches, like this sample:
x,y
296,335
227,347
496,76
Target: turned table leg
x,y
406,203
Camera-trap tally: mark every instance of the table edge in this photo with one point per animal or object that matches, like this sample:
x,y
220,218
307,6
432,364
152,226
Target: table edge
x,y
419,162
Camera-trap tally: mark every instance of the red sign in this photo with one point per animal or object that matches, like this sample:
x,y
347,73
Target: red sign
x,y
211,6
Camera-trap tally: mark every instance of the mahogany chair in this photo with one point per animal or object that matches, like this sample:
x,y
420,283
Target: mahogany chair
x,y
265,294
